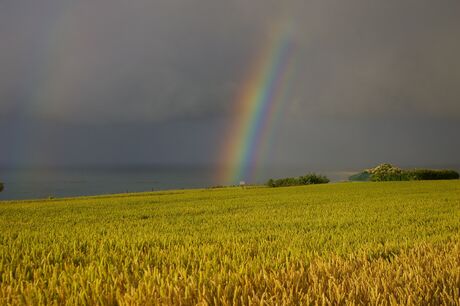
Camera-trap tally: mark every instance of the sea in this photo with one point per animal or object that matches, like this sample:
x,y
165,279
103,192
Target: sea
x,y
21,183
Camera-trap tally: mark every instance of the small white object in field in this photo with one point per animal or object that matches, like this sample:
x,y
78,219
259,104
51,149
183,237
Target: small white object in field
x,y
242,183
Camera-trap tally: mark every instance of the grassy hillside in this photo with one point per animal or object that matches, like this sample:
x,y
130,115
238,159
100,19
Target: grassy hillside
x,y
360,242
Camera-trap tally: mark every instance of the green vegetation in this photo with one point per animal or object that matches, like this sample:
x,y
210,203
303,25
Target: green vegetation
x,y
1,187
428,174
360,177
393,242
309,179
388,172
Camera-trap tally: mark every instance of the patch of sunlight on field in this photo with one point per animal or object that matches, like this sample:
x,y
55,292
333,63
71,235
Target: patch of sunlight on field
x,y
395,242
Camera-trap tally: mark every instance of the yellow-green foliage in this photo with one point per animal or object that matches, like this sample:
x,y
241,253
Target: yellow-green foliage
x,y
350,243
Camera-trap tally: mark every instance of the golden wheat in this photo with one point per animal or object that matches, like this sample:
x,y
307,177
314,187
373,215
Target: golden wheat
x,y
369,243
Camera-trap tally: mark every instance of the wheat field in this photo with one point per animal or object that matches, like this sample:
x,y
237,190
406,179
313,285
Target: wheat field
x,y
341,244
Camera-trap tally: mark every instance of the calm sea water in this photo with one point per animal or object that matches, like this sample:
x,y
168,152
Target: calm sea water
x,y
37,183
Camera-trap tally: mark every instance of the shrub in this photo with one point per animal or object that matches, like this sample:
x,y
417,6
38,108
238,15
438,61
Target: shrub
x,y
429,174
271,183
308,179
313,179
361,177
1,187
388,172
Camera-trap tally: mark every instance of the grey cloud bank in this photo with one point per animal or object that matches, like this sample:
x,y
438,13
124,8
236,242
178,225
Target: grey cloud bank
x,y
155,81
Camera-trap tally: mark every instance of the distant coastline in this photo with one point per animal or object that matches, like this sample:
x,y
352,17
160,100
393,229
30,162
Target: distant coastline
x,y
41,182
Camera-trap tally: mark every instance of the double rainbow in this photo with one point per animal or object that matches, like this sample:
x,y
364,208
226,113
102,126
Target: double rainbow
x,y
255,109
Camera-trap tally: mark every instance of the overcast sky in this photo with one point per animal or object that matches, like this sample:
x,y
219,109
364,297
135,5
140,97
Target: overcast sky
x,y
155,81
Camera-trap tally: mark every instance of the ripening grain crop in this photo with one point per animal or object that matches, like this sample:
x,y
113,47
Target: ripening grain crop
x,y
348,243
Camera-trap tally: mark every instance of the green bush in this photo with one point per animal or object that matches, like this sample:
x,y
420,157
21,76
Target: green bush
x,y
308,179
388,172
1,187
271,183
428,174
360,177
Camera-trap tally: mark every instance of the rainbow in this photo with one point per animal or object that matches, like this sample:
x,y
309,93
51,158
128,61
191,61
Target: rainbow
x,y
40,85
255,109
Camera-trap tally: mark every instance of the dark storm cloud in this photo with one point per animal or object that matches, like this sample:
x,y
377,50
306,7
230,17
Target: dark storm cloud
x,y
383,58
119,60
105,65
144,60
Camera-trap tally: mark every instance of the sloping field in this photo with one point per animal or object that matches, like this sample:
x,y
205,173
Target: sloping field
x,y
361,243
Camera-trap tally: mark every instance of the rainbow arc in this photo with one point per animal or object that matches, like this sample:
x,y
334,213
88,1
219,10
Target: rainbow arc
x,y
256,107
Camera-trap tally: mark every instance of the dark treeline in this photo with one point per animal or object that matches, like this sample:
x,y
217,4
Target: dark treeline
x,y
388,172
427,174
308,179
